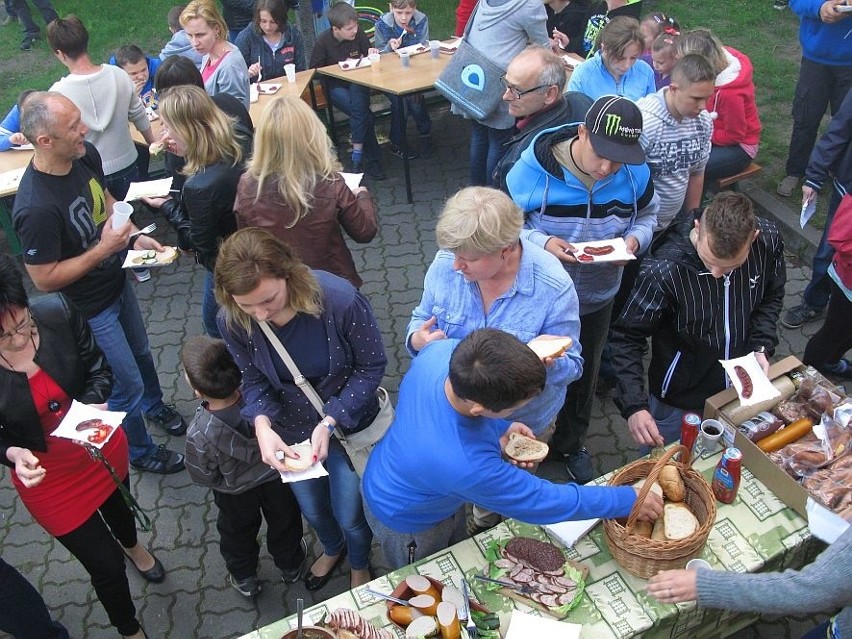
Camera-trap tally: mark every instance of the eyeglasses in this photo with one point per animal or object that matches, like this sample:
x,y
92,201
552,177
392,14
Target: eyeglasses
x,y
27,324
517,94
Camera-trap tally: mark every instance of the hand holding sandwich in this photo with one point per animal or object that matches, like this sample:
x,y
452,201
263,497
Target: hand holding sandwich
x,y
521,429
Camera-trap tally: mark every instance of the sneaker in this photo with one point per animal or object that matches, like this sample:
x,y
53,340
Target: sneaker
x,y
9,20
396,149
162,461
141,274
248,587
27,42
780,5
169,420
376,172
357,167
841,368
787,186
292,575
801,315
579,466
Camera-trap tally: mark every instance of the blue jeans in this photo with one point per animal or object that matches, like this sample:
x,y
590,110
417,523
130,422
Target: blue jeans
x,y
819,288
725,161
332,506
209,307
118,183
486,150
120,333
22,611
401,108
669,420
354,101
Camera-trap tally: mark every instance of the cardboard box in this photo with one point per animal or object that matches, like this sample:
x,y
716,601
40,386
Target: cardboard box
x,y
785,487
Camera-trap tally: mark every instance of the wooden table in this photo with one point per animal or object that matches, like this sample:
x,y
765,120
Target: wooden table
x,y
389,76
755,533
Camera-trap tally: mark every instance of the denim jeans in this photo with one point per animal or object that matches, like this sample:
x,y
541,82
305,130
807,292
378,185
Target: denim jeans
x,y
209,307
22,10
22,611
118,183
332,506
725,161
818,289
819,86
486,150
401,108
120,333
354,101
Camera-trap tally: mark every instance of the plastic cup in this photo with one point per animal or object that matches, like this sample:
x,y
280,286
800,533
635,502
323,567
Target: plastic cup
x,y
290,70
405,58
121,212
698,564
711,432
254,93
435,49
374,58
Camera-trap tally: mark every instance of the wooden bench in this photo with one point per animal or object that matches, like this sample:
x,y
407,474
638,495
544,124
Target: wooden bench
x,y
731,181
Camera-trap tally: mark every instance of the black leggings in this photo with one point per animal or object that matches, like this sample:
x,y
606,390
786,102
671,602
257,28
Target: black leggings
x,y
94,545
831,342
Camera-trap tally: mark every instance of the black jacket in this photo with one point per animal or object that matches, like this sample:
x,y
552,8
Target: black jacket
x,y
832,155
571,107
694,319
68,353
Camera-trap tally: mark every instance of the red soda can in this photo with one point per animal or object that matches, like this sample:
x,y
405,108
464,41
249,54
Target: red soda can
x,y
689,429
726,477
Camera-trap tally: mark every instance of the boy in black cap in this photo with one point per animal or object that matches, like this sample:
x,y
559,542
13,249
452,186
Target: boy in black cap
x,y
578,184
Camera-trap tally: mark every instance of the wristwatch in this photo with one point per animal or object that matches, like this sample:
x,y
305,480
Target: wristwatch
x,y
327,424
760,349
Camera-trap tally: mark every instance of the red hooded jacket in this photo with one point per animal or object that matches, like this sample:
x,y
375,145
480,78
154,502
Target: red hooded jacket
x,y
733,102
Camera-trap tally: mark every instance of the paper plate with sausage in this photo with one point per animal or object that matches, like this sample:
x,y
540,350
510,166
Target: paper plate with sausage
x,y
614,250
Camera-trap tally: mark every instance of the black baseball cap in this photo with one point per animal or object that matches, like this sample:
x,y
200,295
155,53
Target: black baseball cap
x,y
614,125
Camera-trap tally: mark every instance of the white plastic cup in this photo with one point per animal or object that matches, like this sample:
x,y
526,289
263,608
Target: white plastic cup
x,y
121,212
405,58
435,49
711,432
374,58
254,93
698,564
290,71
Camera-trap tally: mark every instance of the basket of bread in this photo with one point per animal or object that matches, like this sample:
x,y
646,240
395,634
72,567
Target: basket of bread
x,y
643,549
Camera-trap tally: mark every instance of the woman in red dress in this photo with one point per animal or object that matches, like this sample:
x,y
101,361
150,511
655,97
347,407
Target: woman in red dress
x,y
47,358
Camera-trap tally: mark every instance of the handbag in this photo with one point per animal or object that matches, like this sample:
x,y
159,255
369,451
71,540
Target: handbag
x,y
840,238
357,445
471,81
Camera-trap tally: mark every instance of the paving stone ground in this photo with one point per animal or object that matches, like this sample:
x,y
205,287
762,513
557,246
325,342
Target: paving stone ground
x,y
195,601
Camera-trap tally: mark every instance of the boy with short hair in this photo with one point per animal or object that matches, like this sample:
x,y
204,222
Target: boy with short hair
x,y
344,40
222,453
404,26
179,44
444,449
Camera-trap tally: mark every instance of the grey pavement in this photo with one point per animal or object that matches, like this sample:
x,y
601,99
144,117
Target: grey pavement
x,y
195,601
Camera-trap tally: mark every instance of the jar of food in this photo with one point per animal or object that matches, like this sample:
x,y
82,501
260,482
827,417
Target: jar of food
x,y
726,477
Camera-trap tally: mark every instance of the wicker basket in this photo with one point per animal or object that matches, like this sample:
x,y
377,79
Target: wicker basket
x,y
645,557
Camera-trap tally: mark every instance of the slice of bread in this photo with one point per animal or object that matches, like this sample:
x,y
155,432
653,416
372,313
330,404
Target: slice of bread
x,y
305,460
655,487
525,449
550,345
679,521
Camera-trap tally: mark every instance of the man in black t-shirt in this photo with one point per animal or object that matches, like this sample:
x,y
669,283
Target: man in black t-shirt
x,y
61,215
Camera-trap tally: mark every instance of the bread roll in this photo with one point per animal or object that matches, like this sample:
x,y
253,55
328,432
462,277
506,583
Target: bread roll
x,y
655,487
526,449
679,521
643,529
672,483
305,460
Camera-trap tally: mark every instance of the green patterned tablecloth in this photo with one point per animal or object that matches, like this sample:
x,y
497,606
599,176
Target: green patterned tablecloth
x,y
754,533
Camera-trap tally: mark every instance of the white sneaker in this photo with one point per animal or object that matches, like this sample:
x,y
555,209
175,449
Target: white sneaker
x,y
142,274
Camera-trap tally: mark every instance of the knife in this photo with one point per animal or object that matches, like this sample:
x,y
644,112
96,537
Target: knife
x,y
360,60
520,588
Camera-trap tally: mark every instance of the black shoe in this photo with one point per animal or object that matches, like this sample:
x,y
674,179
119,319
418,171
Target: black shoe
x,y
396,149
248,587
357,166
376,172
162,461
292,575
579,466
315,582
27,42
169,420
156,574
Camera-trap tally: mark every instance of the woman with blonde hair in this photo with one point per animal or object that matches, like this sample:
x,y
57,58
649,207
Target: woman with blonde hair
x,y
486,274
329,330
203,214
733,106
222,65
616,68
292,187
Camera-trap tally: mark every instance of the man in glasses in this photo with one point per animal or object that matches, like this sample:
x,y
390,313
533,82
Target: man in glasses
x,y
581,183
534,90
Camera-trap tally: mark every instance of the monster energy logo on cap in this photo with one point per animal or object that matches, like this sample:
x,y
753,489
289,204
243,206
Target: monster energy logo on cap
x,y
614,125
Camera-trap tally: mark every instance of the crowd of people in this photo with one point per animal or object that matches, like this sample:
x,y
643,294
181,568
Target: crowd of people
x,y
625,151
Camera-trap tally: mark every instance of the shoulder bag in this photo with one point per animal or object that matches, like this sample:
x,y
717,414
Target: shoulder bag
x,y
357,445
471,81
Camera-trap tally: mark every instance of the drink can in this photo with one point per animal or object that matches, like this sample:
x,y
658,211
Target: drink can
x,y
689,429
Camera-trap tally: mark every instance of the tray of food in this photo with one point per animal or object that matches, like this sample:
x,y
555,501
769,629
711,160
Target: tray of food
x,y
355,63
413,49
149,257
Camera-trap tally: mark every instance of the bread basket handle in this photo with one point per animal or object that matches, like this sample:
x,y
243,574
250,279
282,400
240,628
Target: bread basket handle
x,y
649,481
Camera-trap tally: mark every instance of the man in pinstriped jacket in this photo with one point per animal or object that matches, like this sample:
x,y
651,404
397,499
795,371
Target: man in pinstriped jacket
x,y
712,289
